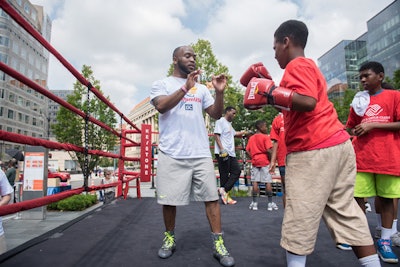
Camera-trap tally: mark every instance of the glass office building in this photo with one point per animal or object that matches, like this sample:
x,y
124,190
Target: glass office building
x,y
333,66
384,38
380,43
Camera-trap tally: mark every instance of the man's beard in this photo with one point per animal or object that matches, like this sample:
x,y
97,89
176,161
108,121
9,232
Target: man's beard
x,y
183,69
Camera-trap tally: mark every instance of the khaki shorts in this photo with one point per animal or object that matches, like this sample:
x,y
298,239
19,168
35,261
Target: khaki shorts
x,y
371,184
319,184
261,174
179,181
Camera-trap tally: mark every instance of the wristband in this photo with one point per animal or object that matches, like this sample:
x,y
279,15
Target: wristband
x,y
183,88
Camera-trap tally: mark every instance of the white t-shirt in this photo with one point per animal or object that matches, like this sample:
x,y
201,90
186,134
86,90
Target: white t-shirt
x,y
183,133
227,135
5,189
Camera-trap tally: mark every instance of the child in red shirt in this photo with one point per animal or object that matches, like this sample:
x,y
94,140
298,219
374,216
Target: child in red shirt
x,y
259,148
320,164
375,119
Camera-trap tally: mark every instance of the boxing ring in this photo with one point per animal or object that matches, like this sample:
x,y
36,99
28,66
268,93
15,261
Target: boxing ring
x,y
124,176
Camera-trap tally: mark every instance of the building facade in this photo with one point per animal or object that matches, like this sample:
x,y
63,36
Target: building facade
x,y
380,43
23,110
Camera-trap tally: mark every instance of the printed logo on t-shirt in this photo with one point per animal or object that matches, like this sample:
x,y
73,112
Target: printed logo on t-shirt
x,y
373,110
188,106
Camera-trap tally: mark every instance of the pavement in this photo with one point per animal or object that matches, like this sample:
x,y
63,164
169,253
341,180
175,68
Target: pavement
x,y
22,232
129,233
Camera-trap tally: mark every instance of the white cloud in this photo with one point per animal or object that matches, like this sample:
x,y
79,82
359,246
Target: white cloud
x,y
129,44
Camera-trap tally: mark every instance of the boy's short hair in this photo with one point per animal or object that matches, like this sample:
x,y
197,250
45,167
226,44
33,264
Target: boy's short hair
x,y
260,123
229,108
372,65
296,31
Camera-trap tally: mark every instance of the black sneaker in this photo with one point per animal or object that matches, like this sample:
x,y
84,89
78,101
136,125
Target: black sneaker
x,y
221,253
168,246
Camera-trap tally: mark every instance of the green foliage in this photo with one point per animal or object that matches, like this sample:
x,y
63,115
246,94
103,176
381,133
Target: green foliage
x,y
245,119
70,128
395,81
239,193
342,105
74,203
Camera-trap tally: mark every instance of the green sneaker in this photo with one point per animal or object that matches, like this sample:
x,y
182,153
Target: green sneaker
x,y
168,246
221,253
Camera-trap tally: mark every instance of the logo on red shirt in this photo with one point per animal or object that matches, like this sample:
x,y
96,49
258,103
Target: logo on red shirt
x,y
373,110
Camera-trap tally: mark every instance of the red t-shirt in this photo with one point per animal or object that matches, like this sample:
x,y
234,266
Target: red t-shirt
x,y
378,151
257,147
305,130
278,133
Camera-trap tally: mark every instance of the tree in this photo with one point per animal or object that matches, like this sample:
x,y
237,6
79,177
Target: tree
x,y
70,128
395,81
207,61
342,105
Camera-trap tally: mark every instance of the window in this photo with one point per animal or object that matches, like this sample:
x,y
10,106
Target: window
x,y
27,8
26,119
34,121
4,41
11,97
10,114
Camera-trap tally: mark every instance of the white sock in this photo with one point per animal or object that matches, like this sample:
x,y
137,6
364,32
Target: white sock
x,y
378,221
394,226
386,233
295,260
370,261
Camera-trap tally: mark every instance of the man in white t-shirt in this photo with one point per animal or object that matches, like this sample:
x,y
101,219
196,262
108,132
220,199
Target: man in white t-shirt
x,y
185,169
6,191
224,150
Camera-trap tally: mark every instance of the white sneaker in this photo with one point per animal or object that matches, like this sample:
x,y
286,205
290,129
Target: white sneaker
x,y
368,207
269,206
253,205
274,206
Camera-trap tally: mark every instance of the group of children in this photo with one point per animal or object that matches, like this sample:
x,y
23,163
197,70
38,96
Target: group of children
x,y
374,125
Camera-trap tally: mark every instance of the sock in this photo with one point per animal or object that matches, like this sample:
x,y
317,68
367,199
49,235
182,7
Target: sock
x,y
295,260
394,226
370,261
269,195
255,197
378,222
386,233
215,236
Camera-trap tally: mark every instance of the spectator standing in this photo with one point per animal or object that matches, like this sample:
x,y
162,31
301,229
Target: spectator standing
x,y
224,149
6,191
109,193
11,172
375,121
259,148
277,135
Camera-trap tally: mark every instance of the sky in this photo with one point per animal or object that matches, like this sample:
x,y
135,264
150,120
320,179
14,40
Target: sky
x,y
129,43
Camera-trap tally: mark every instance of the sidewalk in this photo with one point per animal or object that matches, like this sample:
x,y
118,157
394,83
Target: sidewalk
x,y
23,232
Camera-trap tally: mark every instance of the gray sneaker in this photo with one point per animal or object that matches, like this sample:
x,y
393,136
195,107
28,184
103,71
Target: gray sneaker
x,y
221,253
395,239
378,233
168,246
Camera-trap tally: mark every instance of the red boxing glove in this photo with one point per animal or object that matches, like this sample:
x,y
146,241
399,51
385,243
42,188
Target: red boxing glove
x,y
256,70
261,92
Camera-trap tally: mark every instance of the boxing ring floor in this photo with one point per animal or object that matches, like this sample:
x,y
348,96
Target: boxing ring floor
x,y
129,233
